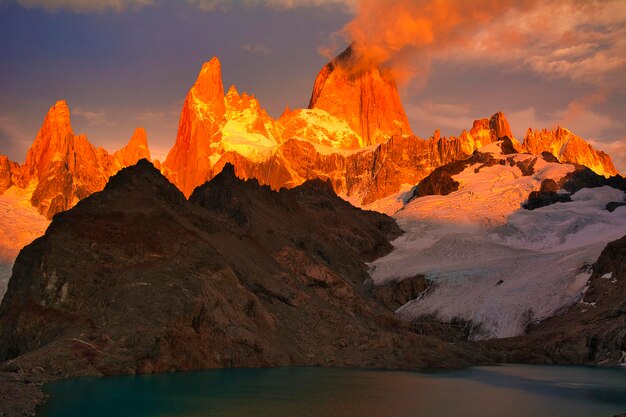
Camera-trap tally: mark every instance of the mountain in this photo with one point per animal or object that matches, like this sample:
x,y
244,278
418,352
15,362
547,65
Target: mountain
x,y
63,167
568,147
60,169
319,142
188,164
354,134
364,96
494,261
138,279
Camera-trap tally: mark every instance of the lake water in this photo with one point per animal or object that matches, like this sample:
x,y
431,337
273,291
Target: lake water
x,y
509,390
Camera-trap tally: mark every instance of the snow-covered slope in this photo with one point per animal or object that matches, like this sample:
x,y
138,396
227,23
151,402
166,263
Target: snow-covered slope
x,y
492,262
20,224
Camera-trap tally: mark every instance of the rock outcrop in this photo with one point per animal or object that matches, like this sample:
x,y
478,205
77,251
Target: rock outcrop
x,y
188,163
63,167
136,279
364,96
568,147
9,172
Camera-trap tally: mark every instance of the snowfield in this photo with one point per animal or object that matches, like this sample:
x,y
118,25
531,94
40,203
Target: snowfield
x,y
20,224
493,263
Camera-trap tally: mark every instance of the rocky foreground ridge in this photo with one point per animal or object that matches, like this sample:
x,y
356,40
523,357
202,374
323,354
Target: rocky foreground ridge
x,y
137,279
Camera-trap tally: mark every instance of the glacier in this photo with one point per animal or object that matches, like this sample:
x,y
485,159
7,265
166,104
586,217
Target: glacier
x,y
493,263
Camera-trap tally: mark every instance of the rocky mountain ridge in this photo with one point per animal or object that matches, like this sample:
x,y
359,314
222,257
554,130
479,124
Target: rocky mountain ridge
x,y
64,168
354,134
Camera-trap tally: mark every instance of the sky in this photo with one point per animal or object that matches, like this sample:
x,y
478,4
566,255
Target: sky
x,y
127,63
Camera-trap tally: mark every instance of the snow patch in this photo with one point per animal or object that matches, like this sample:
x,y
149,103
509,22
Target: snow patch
x,y
236,138
321,128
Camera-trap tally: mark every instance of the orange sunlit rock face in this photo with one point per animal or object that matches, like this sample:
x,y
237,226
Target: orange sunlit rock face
x,y
9,171
365,97
355,135
188,164
568,147
63,167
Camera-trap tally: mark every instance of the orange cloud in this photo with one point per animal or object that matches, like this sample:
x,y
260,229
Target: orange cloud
x,y
575,39
404,34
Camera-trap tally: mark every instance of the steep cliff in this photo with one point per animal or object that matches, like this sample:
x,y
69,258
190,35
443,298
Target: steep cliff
x,y
365,97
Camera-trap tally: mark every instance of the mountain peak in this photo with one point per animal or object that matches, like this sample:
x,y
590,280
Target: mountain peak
x,y
134,188
54,140
60,107
232,91
208,87
363,95
139,138
568,147
135,150
500,126
58,116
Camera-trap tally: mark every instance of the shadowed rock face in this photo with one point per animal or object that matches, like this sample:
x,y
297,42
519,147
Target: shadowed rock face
x,y
138,279
582,177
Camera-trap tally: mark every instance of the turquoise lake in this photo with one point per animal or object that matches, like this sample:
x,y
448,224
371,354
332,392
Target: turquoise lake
x,y
508,390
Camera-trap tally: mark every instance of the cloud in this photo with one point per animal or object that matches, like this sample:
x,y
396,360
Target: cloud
x,y
577,39
450,118
574,39
98,116
86,6
259,49
120,6
578,117
616,149
405,35
14,140
581,118
211,5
